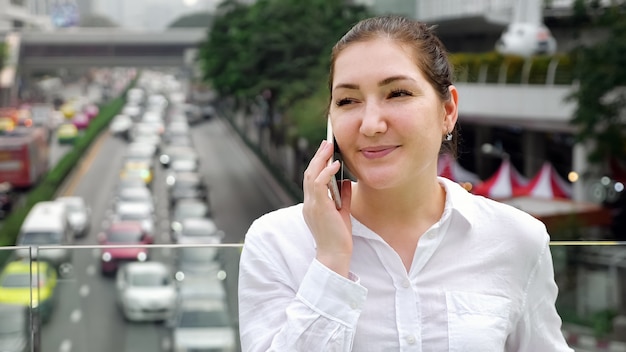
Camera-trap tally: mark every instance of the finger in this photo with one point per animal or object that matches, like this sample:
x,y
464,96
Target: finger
x,y
346,197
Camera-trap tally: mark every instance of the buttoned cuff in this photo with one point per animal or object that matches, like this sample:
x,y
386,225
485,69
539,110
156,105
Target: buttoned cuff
x,y
332,295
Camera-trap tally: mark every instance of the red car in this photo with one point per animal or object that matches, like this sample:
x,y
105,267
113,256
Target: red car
x,y
123,233
81,121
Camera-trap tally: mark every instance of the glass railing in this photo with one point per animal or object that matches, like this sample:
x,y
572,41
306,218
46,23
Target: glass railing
x,y
88,299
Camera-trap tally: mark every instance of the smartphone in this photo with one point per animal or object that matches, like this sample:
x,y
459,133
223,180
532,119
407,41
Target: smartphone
x,y
333,186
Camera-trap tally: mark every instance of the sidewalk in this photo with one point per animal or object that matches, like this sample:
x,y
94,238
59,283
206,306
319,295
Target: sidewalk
x,y
582,339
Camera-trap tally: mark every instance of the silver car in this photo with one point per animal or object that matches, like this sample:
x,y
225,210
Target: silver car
x,y
146,291
79,214
203,325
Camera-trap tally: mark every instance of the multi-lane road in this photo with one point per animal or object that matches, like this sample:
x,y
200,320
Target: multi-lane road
x,y
86,318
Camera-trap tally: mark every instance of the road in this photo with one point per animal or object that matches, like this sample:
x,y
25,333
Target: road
x,y
86,318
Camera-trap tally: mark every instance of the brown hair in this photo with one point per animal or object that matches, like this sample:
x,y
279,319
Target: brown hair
x,y
429,52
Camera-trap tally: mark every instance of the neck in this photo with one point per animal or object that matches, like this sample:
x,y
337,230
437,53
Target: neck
x,y
417,205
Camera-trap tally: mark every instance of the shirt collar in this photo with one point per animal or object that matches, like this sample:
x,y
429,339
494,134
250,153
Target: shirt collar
x,y
458,201
458,205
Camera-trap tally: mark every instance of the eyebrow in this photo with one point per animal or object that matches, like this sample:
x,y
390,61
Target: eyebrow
x,y
382,83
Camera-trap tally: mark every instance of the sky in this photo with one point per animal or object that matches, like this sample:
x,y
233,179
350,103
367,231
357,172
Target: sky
x,y
150,14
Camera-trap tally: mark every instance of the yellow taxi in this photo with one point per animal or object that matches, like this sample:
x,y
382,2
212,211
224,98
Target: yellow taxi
x,y
68,110
16,283
67,133
141,170
6,124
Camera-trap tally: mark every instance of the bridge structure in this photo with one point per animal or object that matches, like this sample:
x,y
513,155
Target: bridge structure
x,y
106,47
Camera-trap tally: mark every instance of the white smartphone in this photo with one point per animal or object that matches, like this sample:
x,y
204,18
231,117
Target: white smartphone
x,y
333,186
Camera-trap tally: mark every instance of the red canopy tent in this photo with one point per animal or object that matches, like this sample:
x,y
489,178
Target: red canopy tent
x,y
449,168
503,184
547,184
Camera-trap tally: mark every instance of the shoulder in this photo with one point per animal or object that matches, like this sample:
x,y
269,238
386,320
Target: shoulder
x,y
493,220
279,230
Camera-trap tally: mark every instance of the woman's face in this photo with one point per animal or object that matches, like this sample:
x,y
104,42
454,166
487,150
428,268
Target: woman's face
x,y
388,120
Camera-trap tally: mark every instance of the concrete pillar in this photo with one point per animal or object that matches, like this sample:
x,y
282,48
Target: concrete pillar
x,y
534,152
580,165
483,134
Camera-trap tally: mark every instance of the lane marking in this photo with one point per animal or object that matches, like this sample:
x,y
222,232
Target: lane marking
x,y
85,164
95,252
91,270
84,291
76,316
166,344
66,346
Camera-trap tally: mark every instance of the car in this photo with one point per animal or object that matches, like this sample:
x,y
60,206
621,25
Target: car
x,y
205,281
172,153
198,231
14,328
79,214
20,277
132,111
130,182
120,126
146,291
184,185
186,209
122,233
67,133
139,194
46,224
80,120
203,325
7,124
196,261
134,211
134,169
175,129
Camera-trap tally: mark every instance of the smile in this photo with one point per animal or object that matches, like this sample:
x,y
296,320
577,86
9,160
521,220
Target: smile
x,y
377,152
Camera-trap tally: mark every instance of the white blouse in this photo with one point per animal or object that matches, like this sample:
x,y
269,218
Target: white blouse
x,y
481,280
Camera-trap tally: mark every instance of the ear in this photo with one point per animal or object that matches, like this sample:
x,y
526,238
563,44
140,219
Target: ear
x,y
451,110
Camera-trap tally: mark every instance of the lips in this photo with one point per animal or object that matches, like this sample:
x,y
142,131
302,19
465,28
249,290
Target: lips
x,y
377,151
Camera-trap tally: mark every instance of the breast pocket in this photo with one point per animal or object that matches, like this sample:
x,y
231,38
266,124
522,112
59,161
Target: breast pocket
x,y
477,322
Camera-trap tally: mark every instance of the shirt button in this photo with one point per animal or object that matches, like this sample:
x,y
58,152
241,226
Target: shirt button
x,y
406,284
354,305
410,339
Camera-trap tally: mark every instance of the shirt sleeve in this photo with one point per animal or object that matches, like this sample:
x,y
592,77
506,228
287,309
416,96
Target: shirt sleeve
x,y
275,314
539,328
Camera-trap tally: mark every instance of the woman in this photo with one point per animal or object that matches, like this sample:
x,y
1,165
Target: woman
x,y
411,262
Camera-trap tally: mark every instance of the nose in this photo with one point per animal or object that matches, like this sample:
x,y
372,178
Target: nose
x,y
373,120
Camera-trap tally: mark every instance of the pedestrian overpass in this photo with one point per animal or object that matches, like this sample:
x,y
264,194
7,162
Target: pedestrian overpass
x,y
106,47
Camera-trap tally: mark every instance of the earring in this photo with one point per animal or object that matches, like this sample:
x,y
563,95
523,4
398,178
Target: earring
x,y
449,136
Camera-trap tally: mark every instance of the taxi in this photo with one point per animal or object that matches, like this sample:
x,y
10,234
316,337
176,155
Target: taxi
x,y
139,170
6,124
67,133
16,284
68,110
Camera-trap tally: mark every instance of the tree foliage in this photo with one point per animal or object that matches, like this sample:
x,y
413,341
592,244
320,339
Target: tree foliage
x,y
275,45
194,20
601,112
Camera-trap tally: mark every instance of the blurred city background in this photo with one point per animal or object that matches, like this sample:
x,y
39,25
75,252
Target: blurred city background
x,y
140,139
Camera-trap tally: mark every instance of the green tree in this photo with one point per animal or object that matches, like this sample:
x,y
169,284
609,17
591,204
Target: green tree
x,y
194,20
601,95
277,48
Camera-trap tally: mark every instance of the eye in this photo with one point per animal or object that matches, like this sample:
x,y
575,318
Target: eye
x,y
344,101
400,93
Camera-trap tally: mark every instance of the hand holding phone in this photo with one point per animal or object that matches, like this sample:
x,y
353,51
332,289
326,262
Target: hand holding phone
x,y
333,186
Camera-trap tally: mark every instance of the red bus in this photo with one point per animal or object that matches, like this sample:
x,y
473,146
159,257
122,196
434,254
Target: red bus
x,y
24,156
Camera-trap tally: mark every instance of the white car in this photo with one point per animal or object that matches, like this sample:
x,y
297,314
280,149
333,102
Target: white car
x,y
79,214
203,325
141,194
135,211
146,291
121,125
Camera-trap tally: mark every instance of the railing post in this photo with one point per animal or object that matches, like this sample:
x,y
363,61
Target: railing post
x,y
504,67
551,74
